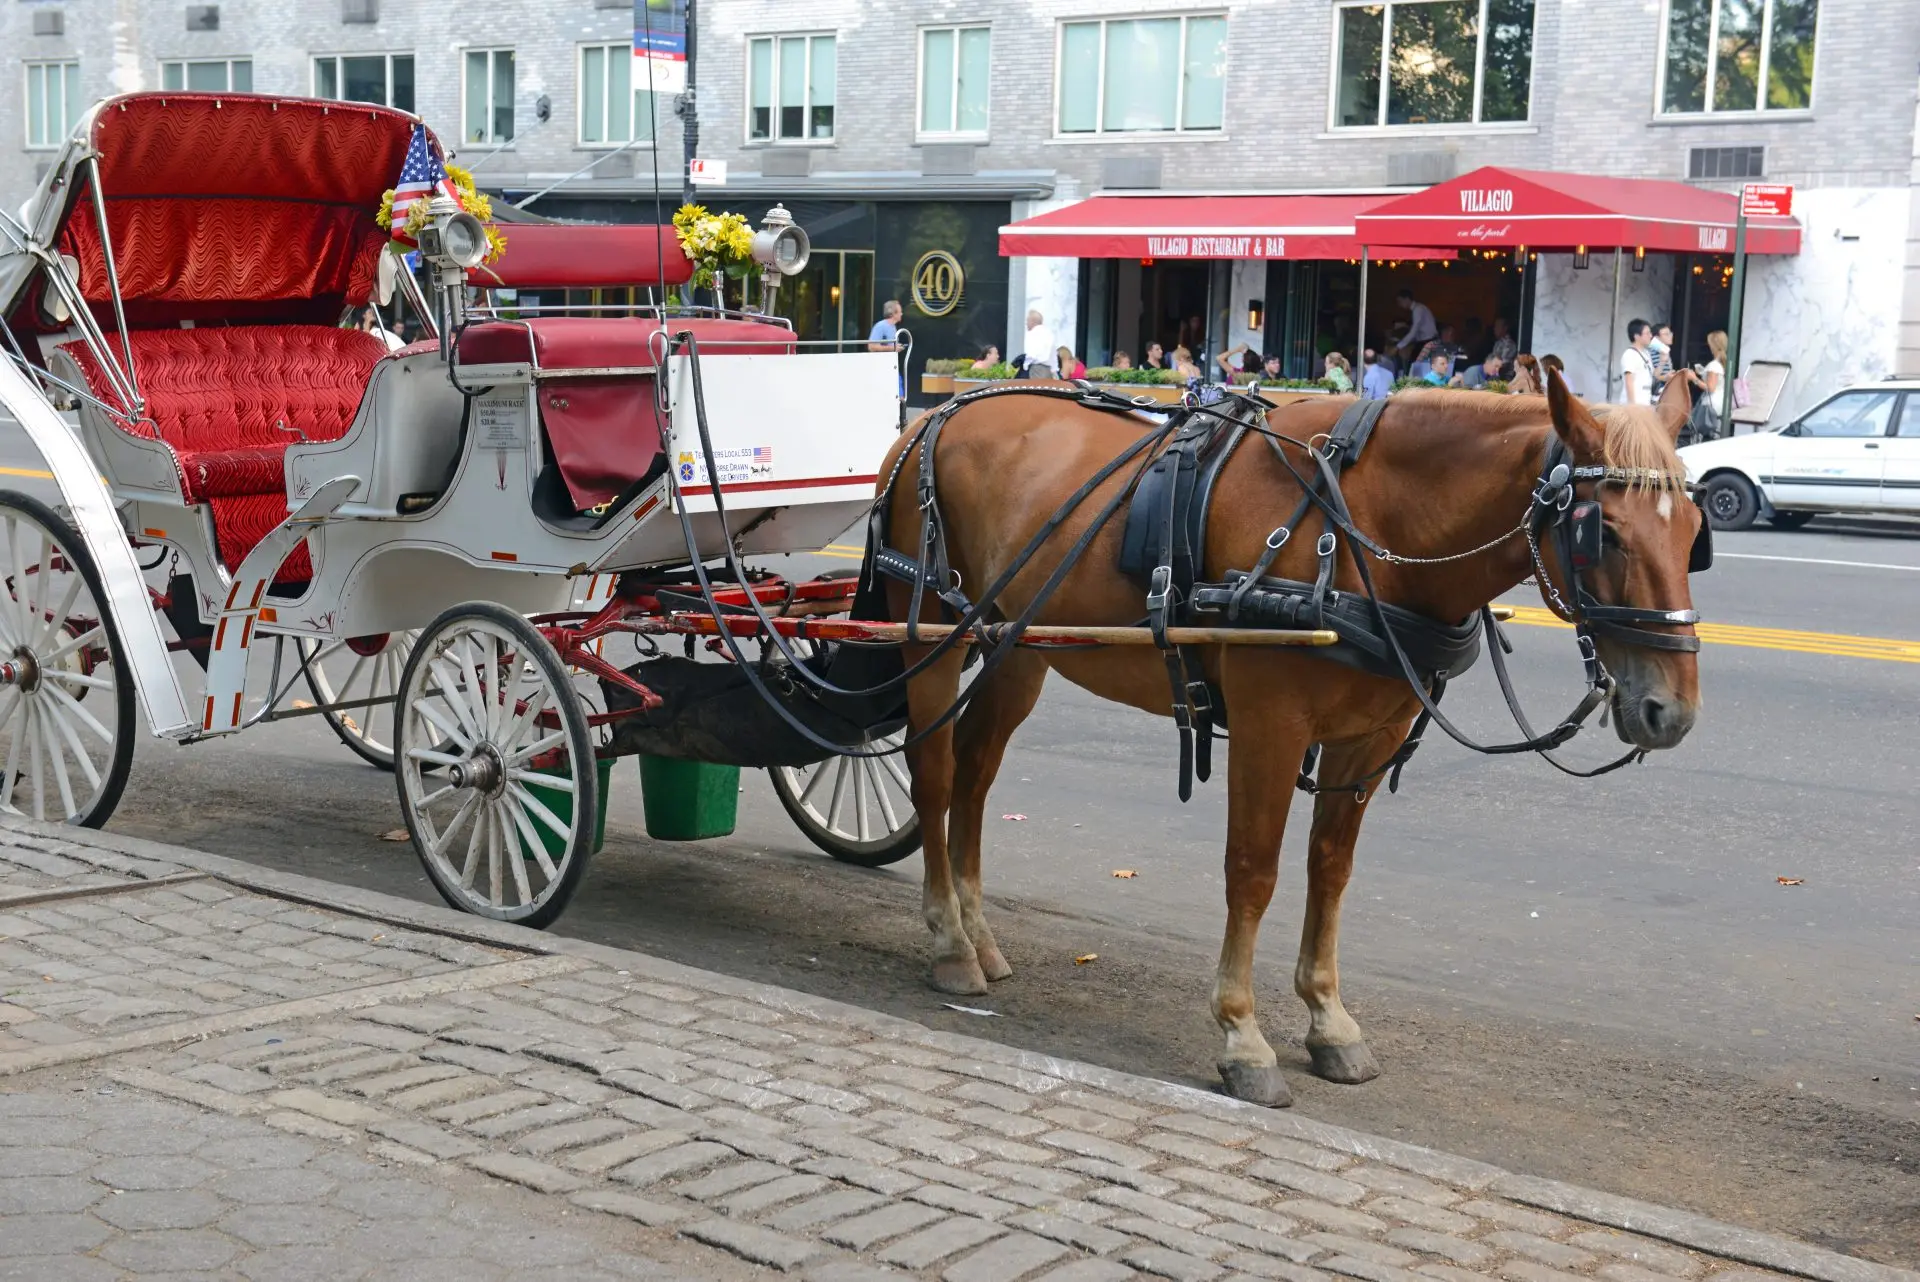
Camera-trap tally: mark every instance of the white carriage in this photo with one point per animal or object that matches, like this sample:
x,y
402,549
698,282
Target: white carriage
x,y
406,530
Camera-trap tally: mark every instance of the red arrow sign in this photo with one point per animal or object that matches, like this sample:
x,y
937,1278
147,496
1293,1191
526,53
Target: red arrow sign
x,y
1766,200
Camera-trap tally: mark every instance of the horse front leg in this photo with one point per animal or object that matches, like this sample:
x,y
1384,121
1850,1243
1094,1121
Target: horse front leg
x,y
980,743
1261,766
956,964
1334,1040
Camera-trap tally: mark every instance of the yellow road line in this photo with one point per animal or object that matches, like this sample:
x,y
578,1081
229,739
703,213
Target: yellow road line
x,y
26,471
1886,649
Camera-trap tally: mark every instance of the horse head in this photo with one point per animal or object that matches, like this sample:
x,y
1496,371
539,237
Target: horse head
x,y
1633,535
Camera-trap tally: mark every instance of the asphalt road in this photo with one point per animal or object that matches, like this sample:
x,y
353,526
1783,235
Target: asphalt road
x,y
1600,981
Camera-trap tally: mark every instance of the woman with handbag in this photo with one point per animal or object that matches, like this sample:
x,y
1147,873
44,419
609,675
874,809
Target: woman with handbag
x,y
1704,423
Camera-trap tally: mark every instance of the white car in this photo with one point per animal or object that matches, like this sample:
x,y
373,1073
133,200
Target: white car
x,y
1856,451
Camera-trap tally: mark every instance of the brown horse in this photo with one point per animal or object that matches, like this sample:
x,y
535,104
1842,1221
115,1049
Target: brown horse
x,y
1444,473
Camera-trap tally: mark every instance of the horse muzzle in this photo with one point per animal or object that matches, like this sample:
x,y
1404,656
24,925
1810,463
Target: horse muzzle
x,y
1651,718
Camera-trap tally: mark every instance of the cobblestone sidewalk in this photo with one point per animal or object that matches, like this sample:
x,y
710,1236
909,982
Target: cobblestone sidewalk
x,y
200,1079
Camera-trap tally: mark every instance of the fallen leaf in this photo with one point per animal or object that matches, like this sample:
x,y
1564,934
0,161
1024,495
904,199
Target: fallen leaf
x,y
1791,881
970,1010
1015,818
301,703
1125,874
396,834
1084,958
353,727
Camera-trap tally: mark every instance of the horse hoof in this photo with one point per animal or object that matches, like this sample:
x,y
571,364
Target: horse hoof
x,y
961,978
1349,1065
993,965
1257,1084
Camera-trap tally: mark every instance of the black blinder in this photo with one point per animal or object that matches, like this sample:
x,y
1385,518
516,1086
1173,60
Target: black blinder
x,y
1701,556
1585,528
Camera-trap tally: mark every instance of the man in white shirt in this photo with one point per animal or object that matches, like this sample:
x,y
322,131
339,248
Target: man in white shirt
x,y
1636,365
1421,329
1039,347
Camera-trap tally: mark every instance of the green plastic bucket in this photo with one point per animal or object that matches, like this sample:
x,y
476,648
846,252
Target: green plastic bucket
x,y
561,804
689,800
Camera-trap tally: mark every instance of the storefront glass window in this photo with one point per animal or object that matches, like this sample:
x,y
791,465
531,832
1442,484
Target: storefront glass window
x,y
1143,75
1436,68
1738,55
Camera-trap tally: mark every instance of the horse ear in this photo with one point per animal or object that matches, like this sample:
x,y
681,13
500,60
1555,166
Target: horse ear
x,y
1674,407
1576,425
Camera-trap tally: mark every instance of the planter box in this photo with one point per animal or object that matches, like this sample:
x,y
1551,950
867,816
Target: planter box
x,y
936,384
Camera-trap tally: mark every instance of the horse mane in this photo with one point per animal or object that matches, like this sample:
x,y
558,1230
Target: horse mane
x,y
1635,440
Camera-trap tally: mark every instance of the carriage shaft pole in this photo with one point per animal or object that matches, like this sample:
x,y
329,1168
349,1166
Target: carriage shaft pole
x,y
1038,635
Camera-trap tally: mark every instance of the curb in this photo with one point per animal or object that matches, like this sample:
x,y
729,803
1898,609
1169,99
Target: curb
x,y
1683,1228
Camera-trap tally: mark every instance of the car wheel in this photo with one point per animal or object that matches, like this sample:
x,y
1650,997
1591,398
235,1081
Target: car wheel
x,y
1730,502
1790,520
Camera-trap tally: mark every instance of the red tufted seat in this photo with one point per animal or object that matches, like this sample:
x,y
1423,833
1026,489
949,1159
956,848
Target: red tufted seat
x,y
220,398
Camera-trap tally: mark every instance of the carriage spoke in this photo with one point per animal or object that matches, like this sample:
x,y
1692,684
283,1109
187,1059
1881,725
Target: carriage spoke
x,y
426,709
554,783
13,754
65,610
534,844
495,884
510,839
521,724
839,790
56,750
33,755
67,647
887,814
438,846
12,704
814,780
72,738
18,621
431,757
505,714
538,746
447,690
76,678
435,795
891,763
862,829
554,823
73,707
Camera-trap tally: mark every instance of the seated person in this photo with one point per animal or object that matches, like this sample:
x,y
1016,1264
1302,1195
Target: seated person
x,y
1156,357
1269,371
1339,372
1478,376
1122,360
1439,369
1068,364
989,357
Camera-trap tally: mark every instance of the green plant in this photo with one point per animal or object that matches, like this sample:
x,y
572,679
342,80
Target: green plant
x,y
1289,384
944,365
1134,377
994,372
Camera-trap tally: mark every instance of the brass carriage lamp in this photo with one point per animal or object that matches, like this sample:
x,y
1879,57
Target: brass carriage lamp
x,y
782,248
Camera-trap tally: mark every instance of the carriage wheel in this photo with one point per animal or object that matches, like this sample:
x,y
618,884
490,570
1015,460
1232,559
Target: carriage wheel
x,y
495,766
857,809
66,696
359,668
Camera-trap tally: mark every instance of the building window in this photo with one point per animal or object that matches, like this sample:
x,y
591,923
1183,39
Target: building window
x,y
1433,62
1135,75
612,112
1720,163
953,81
489,96
1737,55
53,102
218,75
385,79
791,88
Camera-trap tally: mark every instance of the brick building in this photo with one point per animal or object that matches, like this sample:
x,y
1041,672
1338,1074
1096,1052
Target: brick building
x,y
904,136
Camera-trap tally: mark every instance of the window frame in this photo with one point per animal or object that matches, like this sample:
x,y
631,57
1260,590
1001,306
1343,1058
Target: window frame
x,y
1101,133
1764,72
489,141
920,84
1476,125
807,104
340,76
183,63
580,140
72,67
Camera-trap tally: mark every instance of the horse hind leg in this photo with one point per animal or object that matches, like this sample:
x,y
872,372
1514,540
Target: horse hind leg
x,y
956,963
1334,1041
980,744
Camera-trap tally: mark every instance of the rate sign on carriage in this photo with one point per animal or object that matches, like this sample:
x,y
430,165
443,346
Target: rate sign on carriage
x,y
1766,200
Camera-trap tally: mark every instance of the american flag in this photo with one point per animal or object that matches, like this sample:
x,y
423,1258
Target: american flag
x,y
421,178
763,456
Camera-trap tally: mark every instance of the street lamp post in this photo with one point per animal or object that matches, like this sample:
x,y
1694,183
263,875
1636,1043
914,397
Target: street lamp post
x,y
689,110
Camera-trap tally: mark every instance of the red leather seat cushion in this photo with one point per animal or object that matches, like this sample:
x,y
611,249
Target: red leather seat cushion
x,y
219,397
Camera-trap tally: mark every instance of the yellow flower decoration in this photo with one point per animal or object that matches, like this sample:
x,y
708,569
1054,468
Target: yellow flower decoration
x,y
717,243
470,200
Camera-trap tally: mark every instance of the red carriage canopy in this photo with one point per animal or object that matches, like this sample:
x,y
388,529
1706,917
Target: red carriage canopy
x,y
1317,226
1494,207
237,206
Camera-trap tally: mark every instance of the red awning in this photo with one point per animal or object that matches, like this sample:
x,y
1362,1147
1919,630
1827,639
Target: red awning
x,y
1198,227
1494,207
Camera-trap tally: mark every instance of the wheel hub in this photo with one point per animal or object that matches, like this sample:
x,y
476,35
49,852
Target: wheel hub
x,y
21,671
483,771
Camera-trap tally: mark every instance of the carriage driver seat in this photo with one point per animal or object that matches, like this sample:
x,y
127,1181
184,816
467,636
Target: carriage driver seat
x,y
226,402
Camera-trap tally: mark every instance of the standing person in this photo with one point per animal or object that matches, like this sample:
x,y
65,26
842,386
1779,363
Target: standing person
x,y
1039,347
885,336
1420,327
1376,381
1704,422
1661,349
1636,365
1503,344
